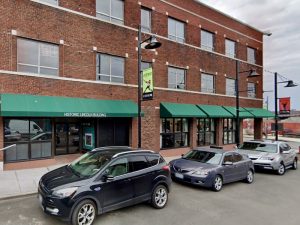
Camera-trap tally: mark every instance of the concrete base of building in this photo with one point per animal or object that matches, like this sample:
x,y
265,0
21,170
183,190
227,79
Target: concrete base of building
x,y
1,166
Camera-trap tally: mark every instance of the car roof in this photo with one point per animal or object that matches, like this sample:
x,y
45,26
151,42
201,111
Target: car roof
x,y
215,150
266,141
122,150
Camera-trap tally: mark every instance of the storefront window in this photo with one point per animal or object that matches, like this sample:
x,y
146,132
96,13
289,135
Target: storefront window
x,y
229,129
174,133
206,132
33,139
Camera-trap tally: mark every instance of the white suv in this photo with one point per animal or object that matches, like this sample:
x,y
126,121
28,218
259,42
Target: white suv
x,y
270,155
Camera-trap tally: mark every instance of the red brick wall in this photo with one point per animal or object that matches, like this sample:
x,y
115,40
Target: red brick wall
x,y
77,59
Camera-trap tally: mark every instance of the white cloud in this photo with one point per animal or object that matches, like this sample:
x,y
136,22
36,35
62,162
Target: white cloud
x,y
282,49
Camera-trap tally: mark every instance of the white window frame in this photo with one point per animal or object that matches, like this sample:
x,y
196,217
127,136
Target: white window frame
x,y
176,37
251,90
109,75
229,52
230,92
110,12
38,66
176,77
251,55
144,28
203,45
204,88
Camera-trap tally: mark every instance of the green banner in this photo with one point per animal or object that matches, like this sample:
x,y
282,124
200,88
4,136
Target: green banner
x,y
148,84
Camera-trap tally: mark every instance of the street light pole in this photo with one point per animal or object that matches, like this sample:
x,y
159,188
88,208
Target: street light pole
x,y
139,87
276,107
153,44
237,133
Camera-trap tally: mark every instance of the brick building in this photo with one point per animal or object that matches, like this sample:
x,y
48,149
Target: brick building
x,y
68,76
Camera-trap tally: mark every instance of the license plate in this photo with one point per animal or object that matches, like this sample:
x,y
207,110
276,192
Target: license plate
x,y
179,175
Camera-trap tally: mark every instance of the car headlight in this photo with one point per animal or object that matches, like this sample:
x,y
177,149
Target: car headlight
x,y
66,192
201,172
267,158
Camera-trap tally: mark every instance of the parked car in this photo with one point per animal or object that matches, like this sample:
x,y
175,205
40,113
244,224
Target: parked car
x,y
212,168
103,180
270,155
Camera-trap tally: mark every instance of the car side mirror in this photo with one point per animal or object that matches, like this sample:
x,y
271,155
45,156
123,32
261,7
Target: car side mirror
x,y
107,178
228,163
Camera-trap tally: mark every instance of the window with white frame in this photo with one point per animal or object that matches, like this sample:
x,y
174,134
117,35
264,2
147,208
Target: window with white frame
x,y
207,83
176,30
53,2
146,20
230,86
251,55
110,10
110,68
176,78
230,48
207,40
37,57
251,90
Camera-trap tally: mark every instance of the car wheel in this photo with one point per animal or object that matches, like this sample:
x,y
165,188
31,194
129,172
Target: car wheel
x,y
217,184
295,164
159,197
84,213
281,169
250,177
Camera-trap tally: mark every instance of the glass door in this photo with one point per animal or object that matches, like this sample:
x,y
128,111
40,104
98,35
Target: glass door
x,y
61,136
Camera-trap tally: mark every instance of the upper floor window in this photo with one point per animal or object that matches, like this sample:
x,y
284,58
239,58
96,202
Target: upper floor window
x,y
230,86
207,40
176,78
251,90
37,57
176,30
251,55
53,2
110,68
146,20
207,83
230,48
110,10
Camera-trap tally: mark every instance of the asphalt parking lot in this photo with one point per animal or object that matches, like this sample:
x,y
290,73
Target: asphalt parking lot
x,y
271,199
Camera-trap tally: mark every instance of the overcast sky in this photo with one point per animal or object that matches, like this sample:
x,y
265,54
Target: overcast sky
x,y
282,49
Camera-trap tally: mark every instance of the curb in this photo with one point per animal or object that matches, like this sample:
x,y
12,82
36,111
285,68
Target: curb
x,y
8,197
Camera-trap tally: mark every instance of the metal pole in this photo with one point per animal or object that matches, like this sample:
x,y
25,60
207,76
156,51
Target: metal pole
x,y
139,88
237,135
276,106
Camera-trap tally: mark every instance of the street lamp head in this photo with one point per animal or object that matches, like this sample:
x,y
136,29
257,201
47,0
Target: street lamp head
x,y
290,83
153,43
253,73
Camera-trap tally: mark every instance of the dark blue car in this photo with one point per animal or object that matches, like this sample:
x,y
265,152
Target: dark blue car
x,y
103,180
212,168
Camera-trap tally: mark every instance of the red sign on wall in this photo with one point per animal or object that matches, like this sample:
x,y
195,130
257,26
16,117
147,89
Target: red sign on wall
x,y
284,105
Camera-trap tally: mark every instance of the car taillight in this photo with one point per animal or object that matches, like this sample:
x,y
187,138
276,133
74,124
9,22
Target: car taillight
x,y
166,168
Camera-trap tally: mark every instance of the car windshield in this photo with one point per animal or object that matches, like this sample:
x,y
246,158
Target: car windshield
x,y
90,163
261,147
204,157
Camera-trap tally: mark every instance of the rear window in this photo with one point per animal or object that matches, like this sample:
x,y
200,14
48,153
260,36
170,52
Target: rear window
x,y
137,163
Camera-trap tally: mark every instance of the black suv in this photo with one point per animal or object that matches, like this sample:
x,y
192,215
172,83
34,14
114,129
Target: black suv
x,y
103,180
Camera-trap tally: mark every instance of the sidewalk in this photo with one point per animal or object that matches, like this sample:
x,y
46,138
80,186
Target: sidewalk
x,y
15,183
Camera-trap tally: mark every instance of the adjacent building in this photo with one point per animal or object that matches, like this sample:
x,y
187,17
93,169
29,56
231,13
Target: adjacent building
x,y
68,76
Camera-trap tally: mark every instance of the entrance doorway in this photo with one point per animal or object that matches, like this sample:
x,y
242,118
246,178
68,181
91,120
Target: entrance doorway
x,y
67,138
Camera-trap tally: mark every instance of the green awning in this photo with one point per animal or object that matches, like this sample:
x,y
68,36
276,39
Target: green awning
x,y
243,112
18,105
180,110
215,111
260,113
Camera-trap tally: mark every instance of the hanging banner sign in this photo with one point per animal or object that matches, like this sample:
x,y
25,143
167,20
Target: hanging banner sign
x,y
284,105
148,84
